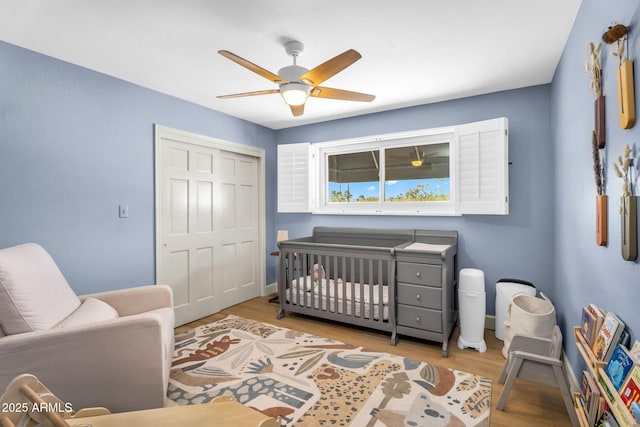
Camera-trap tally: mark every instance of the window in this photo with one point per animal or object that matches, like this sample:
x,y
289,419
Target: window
x,y
397,175
446,171
354,177
417,173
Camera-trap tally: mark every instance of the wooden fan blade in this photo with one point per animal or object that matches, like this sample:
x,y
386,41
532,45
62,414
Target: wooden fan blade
x,y
253,67
347,95
330,68
297,110
257,92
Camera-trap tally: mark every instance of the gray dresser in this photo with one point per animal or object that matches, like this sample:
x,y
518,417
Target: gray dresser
x,y
426,280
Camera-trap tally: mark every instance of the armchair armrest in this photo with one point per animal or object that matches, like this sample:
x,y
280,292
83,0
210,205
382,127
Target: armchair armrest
x,y
116,363
136,300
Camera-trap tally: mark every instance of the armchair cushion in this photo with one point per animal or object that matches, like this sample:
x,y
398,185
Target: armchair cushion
x,y
34,295
92,310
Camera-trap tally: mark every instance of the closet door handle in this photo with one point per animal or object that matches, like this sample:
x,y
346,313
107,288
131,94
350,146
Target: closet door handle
x,y
418,296
418,274
418,319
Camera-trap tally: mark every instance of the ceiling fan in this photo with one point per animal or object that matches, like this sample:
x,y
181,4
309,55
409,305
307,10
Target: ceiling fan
x,y
296,83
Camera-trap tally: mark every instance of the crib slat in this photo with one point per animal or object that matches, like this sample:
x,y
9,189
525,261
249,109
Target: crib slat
x,y
303,274
361,276
336,285
343,285
326,305
370,280
311,261
352,270
380,282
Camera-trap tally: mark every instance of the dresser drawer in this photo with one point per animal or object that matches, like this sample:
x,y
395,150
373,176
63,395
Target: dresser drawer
x,y
420,274
420,318
420,296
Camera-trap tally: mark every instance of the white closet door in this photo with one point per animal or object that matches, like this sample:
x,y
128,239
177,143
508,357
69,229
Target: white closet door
x,y
187,230
238,228
208,226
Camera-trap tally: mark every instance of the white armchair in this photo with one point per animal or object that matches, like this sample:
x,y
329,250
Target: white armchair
x,y
111,349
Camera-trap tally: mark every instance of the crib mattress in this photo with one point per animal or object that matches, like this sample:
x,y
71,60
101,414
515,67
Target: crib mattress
x,y
336,295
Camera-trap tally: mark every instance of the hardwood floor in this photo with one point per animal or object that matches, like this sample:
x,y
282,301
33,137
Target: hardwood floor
x,y
529,404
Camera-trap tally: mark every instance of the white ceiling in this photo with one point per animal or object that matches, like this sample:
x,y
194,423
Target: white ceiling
x,y
413,51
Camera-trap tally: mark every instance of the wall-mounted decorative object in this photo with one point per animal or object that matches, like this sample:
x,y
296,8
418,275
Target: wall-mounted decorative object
x,y
626,97
601,198
629,228
594,69
628,206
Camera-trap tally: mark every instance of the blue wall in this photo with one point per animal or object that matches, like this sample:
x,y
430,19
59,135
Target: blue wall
x,y
584,272
74,144
516,245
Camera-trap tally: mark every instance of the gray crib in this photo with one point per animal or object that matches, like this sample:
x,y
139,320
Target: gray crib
x,y
399,281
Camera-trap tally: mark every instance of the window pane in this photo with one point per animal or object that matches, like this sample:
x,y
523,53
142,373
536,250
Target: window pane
x,y
354,177
417,173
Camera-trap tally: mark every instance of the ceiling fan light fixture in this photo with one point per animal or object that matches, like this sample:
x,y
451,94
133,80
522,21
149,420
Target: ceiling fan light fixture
x,y
418,161
294,93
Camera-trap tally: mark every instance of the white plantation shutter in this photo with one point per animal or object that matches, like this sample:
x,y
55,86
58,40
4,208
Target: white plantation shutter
x,y
483,175
295,174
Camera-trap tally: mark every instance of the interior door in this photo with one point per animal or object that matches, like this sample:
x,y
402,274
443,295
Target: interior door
x,y
239,227
188,228
207,226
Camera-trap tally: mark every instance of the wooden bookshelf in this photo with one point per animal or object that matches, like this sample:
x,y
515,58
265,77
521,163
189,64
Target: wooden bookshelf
x,y
582,417
611,395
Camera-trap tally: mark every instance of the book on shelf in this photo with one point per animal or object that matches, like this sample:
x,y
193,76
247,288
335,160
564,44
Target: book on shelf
x,y
605,388
619,366
607,420
588,325
602,408
634,351
589,397
630,391
608,337
624,337
598,314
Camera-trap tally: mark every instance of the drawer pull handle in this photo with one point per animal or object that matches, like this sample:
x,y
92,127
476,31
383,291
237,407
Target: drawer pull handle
x,y
418,319
418,297
418,274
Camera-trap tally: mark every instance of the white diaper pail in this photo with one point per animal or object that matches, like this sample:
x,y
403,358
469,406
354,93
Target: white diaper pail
x,y
472,306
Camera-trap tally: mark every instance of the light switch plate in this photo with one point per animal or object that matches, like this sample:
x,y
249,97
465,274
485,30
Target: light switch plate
x,y
123,211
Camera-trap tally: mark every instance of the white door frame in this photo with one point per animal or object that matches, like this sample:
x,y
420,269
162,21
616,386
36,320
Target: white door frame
x,y
164,132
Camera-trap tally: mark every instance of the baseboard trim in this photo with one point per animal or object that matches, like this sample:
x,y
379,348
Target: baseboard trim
x,y
574,386
271,288
490,322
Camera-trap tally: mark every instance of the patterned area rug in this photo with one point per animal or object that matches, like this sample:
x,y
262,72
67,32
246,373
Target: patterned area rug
x,y
308,380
